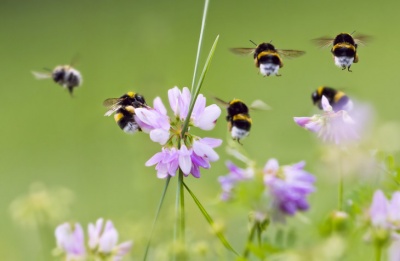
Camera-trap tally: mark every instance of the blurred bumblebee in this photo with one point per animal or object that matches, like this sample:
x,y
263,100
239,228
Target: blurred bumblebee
x,y
337,99
344,48
64,75
124,108
267,58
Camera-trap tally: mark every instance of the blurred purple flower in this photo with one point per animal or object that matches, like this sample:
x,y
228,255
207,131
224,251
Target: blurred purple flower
x,y
383,213
104,240
289,187
70,240
194,152
337,127
234,176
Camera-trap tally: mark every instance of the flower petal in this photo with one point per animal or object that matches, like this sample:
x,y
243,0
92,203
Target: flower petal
x,y
185,162
207,120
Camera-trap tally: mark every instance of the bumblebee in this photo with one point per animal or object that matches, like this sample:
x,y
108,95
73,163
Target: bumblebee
x,y
337,99
267,58
344,48
64,75
124,108
238,118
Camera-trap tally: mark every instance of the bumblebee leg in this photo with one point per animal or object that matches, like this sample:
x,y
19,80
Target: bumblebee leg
x,y
70,90
238,140
344,67
278,74
348,68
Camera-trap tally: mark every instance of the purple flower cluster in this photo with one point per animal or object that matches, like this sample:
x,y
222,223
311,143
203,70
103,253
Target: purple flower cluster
x,y
335,127
289,186
383,213
234,176
102,241
180,150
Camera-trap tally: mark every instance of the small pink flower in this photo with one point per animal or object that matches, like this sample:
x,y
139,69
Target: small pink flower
x,y
167,162
70,239
234,176
332,126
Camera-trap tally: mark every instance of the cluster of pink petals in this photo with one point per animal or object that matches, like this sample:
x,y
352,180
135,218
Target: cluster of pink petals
x,y
384,214
289,187
335,127
188,160
188,157
234,176
102,242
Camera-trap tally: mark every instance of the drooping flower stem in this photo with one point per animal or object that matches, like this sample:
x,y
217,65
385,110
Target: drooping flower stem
x,y
156,217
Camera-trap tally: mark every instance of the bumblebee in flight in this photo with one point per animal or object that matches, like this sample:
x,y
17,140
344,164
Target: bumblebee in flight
x,y
337,99
124,108
267,58
64,75
238,118
344,48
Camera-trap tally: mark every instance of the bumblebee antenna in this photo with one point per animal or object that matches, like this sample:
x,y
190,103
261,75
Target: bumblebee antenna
x,y
353,32
270,41
253,42
47,69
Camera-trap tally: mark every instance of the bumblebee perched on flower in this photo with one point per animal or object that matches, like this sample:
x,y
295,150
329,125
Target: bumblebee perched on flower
x,y
124,108
64,75
267,58
337,99
344,48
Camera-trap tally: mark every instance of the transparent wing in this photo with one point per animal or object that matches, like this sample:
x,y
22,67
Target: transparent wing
x,y
290,53
362,39
113,104
222,102
242,51
41,76
259,105
323,41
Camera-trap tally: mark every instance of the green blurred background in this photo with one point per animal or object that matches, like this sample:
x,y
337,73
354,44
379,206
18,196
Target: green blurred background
x,y
149,47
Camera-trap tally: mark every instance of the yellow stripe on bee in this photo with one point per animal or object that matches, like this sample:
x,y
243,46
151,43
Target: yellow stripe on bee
x,y
130,109
234,101
244,117
131,94
344,45
338,96
319,90
118,117
267,53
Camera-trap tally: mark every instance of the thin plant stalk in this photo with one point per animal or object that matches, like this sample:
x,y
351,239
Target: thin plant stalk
x,y
341,185
378,252
180,211
156,217
203,25
250,239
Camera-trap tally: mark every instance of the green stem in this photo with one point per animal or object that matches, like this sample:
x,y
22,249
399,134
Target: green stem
x,y
203,25
250,239
340,188
210,221
156,217
180,214
378,252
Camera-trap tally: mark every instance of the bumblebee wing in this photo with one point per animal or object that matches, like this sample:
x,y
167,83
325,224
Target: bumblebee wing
x,y
323,41
242,51
290,53
362,39
259,105
221,101
113,104
41,76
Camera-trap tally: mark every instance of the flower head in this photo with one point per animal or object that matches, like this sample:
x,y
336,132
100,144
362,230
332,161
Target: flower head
x,y
234,176
70,241
383,213
103,240
180,150
288,186
334,126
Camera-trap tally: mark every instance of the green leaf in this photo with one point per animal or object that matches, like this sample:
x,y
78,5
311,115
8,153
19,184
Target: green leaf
x,y
157,215
210,221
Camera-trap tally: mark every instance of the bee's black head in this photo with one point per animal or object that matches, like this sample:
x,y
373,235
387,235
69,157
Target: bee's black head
x,y
58,75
